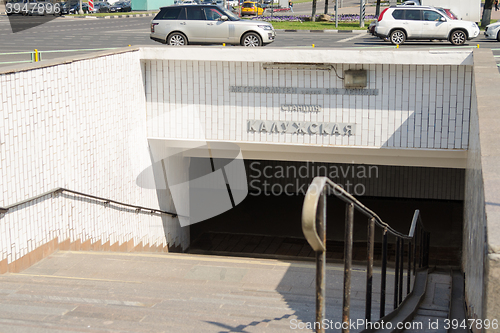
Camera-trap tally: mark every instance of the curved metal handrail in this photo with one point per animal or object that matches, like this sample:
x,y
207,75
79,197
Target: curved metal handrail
x,y
61,189
313,195
314,217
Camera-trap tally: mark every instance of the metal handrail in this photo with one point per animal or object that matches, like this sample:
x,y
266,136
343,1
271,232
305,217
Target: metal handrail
x,y
106,201
314,228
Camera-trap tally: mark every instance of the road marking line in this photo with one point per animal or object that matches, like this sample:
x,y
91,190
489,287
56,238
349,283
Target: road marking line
x,y
350,38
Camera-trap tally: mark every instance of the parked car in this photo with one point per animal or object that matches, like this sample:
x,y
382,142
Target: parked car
x,y
126,6
401,23
371,27
208,24
251,8
492,31
76,8
64,7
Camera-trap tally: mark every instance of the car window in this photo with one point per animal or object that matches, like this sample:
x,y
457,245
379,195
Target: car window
x,y
212,14
230,15
182,15
398,14
413,15
169,14
430,15
247,5
195,13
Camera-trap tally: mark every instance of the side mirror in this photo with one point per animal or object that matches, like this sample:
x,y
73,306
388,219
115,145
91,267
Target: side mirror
x,y
442,19
224,18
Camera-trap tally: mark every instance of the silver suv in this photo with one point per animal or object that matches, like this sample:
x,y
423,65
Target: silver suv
x,y
401,23
208,24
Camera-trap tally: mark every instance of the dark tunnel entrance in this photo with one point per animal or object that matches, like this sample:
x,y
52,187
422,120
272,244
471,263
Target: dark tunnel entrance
x,y
268,222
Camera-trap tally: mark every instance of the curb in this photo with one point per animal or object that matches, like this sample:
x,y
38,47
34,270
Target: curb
x,y
109,16
326,31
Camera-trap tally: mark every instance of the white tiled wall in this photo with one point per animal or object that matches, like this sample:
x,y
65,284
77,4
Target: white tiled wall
x,y
418,106
80,126
84,125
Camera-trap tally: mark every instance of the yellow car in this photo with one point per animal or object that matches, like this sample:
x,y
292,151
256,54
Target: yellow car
x,y
251,8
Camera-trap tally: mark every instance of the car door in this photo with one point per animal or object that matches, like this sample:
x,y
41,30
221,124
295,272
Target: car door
x,y
217,30
413,23
435,25
195,27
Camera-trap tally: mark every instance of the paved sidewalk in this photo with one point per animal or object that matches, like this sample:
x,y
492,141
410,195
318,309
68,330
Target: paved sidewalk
x,y
129,292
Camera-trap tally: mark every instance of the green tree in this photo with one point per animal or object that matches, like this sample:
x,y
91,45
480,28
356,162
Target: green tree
x,y
485,20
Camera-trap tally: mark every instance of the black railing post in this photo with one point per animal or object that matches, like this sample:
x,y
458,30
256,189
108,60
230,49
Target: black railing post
x,y
349,221
314,228
369,269
408,274
421,250
401,269
415,243
321,264
427,248
396,275
383,277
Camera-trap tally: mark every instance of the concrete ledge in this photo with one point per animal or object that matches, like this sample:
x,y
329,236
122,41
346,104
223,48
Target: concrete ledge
x,y
389,56
64,60
484,279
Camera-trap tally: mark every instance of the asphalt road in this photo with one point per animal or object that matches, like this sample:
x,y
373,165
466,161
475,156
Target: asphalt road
x,y
71,34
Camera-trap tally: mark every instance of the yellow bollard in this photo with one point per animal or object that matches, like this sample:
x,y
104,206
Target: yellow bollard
x,y
223,44
477,45
36,55
313,45
397,46
129,45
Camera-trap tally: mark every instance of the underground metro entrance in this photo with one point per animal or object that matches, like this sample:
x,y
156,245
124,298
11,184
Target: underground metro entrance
x,y
267,223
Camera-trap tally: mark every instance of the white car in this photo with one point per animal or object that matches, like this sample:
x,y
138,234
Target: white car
x,y
401,23
208,24
492,31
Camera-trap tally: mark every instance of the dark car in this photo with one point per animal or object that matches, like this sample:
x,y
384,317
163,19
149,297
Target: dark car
x,y
101,7
64,7
75,8
116,7
124,6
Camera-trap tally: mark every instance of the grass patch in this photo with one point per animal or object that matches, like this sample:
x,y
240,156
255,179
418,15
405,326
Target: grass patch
x,y
318,25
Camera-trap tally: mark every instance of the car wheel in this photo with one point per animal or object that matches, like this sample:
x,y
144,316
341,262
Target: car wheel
x,y
458,37
177,39
397,37
498,36
251,39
